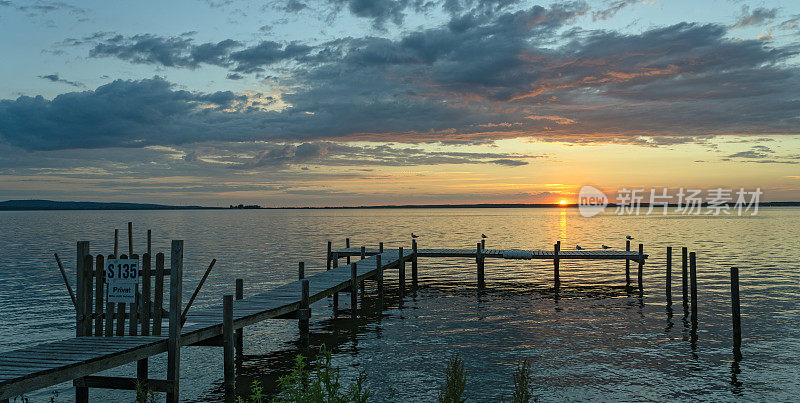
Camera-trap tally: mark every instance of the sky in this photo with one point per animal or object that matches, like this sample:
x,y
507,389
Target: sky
x,y
358,102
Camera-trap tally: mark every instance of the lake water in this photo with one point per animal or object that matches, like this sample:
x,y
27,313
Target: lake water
x,y
594,342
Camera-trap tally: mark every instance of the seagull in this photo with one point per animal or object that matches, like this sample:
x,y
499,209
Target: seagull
x,y
484,236
414,236
605,247
628,237
578,247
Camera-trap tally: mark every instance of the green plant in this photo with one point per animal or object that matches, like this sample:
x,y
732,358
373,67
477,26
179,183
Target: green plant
x,y
455,382
523,392
319,383
144,394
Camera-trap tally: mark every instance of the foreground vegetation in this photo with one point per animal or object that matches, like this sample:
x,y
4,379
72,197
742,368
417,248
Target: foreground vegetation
x,y
320,381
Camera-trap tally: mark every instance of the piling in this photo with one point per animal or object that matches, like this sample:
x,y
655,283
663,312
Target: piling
x,y
483,244
174,342
353,290
116,243
239,333
401,269
363,256
479,263
736,314
641,266
380,247
227,345
336,294
379,267
130,238
330,256
81,317
304,314
669,276
556,273
685,276
301,270
414,277
347,245
693,285
627,266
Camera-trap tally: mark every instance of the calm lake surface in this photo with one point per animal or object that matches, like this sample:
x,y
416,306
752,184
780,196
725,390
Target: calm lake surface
x,y
594,342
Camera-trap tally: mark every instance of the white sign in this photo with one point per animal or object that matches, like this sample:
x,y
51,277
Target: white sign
x,y
122,277
121,292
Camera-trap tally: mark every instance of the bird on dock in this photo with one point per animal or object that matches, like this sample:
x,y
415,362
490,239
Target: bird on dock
x,y
484,236
414,236
628,237
578,247
605,246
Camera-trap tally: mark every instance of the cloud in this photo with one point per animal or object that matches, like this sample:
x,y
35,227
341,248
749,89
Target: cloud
x,y
758,16
612,8
44,7
56,79
169,52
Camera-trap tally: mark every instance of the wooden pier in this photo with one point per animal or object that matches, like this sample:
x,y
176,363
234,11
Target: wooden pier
x,y
77,359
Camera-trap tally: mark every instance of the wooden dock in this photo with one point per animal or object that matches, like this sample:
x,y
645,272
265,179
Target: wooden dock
x,y
76,359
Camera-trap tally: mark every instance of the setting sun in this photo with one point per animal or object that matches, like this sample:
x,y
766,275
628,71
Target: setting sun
x,y
563,202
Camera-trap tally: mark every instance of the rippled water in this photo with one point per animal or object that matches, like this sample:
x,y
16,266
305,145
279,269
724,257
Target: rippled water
x,y
594,342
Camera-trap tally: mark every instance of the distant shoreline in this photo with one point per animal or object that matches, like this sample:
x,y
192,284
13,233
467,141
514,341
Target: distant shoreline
x,y
43,205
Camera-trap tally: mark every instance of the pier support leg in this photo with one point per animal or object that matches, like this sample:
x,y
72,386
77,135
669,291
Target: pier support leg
x,y
401,269
239,337
347,245
627,267
174,342
641,267
736,314
228,347
685,278
379,266
353,290
479,263
414,277
380,247
82,290
304,314
363,256
693,285
336,294
669,276
556,262
329,257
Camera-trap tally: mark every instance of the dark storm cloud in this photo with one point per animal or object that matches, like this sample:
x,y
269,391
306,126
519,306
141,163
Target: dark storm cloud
x,y
758,16
56,79
479,78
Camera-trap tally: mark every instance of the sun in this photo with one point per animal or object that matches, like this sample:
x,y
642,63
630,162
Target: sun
x,y
563,202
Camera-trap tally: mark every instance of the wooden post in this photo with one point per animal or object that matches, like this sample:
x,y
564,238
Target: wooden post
x,y
693,285
158,295
627,266
174,342
414,277
347,245
149,239
336,294
133,323
556,261
81,317
380,247
109,330
301,270
483,244
736,314
669,276
329,258
239,333
379,268
685,275
227,345
479,262
99,269
142,365
116,243
304,313
401,269
363,256
353,290
641,266
130,238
